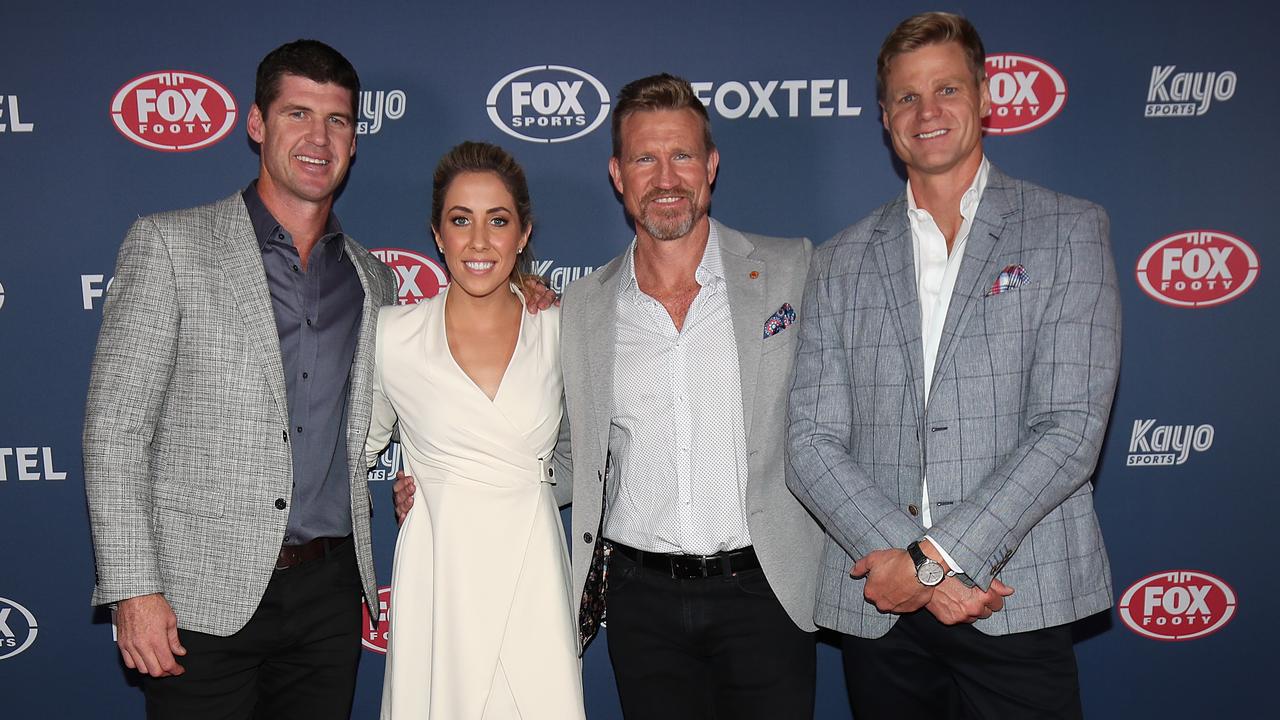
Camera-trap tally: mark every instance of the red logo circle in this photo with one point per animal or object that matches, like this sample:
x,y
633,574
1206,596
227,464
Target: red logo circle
x,y
1198,268
173,111
375,636
1177,605
1026,92
417,276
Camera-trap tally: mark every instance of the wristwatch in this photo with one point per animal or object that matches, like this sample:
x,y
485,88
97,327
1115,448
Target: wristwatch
x,y
928,571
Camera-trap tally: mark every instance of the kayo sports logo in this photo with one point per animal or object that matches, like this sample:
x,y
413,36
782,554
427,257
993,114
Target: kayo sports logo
x,y
1198,268
173,111
1026,93
548,104
1177,605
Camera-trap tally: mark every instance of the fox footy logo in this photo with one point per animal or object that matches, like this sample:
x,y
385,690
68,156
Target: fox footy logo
x,y
1198,268
1026,93
173,111
1177,605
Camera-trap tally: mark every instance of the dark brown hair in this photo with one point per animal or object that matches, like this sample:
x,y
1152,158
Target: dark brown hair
x,y
310,59
483,157
931,28
657,92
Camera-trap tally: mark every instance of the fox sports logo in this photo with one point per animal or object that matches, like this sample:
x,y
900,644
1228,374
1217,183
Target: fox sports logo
x,y
548,104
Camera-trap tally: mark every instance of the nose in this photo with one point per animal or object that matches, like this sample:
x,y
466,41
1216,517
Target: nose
x,y
318,131
929,106
666,176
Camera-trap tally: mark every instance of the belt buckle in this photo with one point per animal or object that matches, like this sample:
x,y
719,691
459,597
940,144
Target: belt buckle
x,y
688,566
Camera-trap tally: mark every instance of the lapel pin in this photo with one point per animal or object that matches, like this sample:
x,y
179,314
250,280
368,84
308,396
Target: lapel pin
x,y
754,274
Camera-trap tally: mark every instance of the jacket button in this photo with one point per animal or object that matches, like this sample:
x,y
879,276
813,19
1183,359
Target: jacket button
x,y
586,537
281,504
913,510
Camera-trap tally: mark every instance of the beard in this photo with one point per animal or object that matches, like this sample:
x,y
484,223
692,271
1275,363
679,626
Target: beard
x,y
672,224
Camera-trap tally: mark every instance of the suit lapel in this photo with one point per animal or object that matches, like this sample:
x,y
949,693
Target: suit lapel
x,y
362,363
997,204
241,259
746,300
896,256
601,310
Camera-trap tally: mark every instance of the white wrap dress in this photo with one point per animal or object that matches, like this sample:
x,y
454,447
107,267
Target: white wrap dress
x,y
481,619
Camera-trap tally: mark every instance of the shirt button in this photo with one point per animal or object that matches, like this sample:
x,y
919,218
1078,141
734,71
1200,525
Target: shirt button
x,y
551,472
586,537
281,504
299,429
280,236
913,510
305,376
308,322
295,268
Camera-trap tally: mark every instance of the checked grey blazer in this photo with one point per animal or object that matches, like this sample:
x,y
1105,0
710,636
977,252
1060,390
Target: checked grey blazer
x,y
762,274
186,424
1020,398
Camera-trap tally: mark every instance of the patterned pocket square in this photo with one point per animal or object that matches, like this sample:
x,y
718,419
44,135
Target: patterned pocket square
x,y
1012,277
779,321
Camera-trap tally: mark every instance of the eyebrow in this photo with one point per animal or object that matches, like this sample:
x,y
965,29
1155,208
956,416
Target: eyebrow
x,y
464,208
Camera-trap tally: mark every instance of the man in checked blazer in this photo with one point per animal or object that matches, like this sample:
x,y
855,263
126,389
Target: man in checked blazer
x,y
225,424
676,357
955,375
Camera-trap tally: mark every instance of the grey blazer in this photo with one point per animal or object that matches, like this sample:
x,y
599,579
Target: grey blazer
x,y
762,273
1021,393
186,424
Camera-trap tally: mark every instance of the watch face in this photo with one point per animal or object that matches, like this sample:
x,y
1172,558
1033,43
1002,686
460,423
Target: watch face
x,y
930,573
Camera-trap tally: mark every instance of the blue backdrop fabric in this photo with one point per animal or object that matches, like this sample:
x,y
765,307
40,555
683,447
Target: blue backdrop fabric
x,y
109,111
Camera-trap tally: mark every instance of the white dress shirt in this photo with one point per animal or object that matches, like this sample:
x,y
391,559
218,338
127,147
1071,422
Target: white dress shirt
x,y
936,272
677,443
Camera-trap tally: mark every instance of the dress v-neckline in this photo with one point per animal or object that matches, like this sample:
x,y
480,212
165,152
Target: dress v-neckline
x,y
502,382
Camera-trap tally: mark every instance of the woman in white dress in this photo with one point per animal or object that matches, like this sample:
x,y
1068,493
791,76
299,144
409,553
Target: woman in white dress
x,y
482,624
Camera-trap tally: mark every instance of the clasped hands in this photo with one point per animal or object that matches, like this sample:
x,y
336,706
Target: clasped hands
x,y
892,586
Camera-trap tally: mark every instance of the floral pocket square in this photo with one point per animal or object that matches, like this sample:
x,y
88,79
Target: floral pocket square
x,y
1012,277
779,321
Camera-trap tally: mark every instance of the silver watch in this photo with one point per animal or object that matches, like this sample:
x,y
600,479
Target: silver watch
x,y
928,571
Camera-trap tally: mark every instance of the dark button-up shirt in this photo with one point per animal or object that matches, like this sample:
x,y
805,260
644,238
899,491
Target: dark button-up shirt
x,y
317,313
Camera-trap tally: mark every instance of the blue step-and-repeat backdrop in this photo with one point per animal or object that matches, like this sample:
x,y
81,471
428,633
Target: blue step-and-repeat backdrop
x,y
1154,110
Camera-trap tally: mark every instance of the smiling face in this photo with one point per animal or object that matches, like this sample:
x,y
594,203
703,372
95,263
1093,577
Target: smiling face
x,y
933,109
307,138
664,172
479,232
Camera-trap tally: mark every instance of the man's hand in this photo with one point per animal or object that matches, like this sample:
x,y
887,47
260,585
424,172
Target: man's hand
x,y
537,295
891,584
404,489
147,632
954,603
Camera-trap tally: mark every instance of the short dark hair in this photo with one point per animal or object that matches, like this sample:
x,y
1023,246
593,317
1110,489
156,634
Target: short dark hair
x,y
485,157
310,59
931,28
657,92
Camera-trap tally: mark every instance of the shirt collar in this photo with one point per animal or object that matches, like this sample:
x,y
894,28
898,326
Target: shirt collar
x,y
968,202
265,226
710,267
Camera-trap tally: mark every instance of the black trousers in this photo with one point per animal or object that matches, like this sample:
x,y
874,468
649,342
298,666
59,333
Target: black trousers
x,y
296,658
924,669
706,648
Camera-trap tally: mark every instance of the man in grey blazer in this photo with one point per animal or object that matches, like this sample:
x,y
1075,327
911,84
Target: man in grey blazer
x,y
954,379
675,358
225,424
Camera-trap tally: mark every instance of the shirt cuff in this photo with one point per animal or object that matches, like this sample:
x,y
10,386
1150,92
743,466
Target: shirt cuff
x,y
951,563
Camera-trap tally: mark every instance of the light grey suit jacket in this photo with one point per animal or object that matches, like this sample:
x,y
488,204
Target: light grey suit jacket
x,y
186,425
1018,407
786,538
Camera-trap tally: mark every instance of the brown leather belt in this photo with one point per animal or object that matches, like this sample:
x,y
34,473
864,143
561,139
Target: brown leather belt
x,y
294,555
687,567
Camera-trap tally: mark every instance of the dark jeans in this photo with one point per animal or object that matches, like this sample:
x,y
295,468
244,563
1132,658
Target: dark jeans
x,y
706,648
924,669
296,658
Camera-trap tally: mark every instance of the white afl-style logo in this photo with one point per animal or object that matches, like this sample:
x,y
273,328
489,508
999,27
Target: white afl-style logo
x,y
173,111
548,104
18,628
